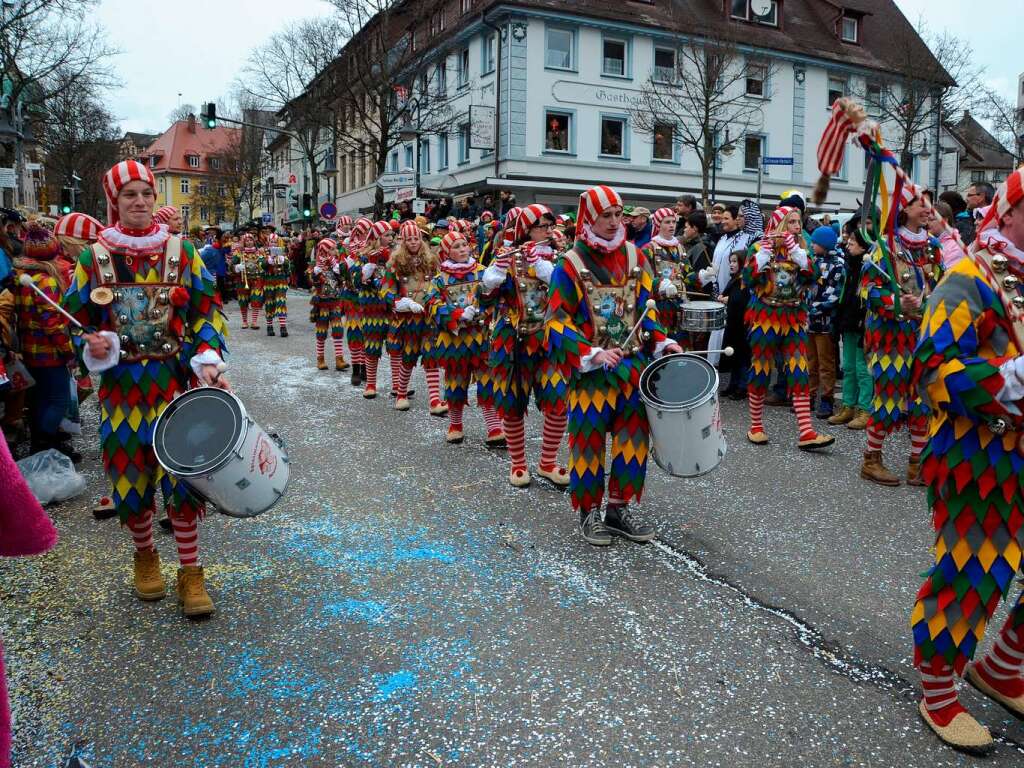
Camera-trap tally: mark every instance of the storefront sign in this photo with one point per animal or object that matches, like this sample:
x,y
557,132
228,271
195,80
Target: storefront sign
x,y
571,92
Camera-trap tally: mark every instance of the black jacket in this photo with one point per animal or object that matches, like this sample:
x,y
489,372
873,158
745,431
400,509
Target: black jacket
x,y
849,316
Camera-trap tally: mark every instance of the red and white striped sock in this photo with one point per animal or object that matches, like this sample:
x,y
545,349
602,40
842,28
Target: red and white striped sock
x,y
802,406
339,347
358,355
492,420
755,404
1001,667
320,348
515,435
876,437
396,364
141,527
551,438
255,315
940,697
245,315
433,385
186,537
282,321
918,436
371,372
404,374
455,416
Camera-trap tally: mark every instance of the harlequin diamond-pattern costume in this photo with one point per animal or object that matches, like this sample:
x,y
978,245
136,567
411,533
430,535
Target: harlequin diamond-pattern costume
x,y
673,276
326,276
353,311
276,270
250,281
374,311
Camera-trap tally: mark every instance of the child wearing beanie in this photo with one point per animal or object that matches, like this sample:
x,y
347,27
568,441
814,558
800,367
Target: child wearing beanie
x,y
822,308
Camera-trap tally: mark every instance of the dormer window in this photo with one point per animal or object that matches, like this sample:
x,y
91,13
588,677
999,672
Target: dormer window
x,y
193,161
849,29
756,11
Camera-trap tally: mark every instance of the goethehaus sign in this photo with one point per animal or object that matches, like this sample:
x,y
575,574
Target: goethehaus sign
x,y
573,92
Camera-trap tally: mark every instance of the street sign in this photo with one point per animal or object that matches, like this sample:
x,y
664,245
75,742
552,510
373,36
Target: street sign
x,y
419,206
481,127
405,194
328,211
8,178
396,180
267,218
293,179
776,161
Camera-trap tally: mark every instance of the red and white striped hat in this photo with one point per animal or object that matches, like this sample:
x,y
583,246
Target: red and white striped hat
x,y
165,214
78,225
380,228
529,217
1008,196
661,214
410,231
778,216
596,201
344,221
448,241
117,177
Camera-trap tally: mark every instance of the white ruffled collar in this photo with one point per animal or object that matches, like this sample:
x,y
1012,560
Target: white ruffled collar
x,y
597,242
118,239
671,242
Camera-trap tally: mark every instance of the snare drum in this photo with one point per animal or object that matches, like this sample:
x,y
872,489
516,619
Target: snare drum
x,y
702,316
681,396
206,439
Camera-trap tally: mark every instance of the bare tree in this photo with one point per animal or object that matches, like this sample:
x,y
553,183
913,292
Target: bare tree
x,y
714,89
1007,123
182,112
927,86
47,47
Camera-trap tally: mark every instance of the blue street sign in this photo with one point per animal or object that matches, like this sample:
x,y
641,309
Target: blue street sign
x,y
776,161
267,218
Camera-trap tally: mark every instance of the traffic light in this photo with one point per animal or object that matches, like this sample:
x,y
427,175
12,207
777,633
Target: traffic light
x,y
67,200
210,115
307,206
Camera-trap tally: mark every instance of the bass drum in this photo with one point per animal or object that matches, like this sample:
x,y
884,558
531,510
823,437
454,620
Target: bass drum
x,y
681,396
206,439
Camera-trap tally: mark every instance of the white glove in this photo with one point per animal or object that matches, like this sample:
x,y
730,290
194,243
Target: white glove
x,y
706,275
799,257
493,277
404,304
416,308
543,269
239,268
336,268
317,270
762,257
207,357
96,365
469,313
349,262
667,288
368,271
1013,384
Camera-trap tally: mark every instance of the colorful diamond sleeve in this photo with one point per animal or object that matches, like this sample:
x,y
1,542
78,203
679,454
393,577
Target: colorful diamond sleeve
x,y
566,313
644,291
208,328
876,290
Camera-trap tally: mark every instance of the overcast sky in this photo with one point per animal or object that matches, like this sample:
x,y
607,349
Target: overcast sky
x,y
196,47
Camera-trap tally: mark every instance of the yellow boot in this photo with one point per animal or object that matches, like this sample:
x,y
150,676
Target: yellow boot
x,y
149,582
321,364
192,595
340,364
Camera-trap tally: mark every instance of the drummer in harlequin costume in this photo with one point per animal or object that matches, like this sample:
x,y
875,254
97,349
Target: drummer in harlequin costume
x,y
461,336
671,268
970,369
599,291
159,326
779,273
896,285
250,281
355,242
327,274
407,276
518,281
374,310
276,270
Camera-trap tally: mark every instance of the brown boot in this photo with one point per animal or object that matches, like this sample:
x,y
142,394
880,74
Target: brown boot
x,y
340,364
843,416
859,421
914,471
149,582
872,469
192,595
321,364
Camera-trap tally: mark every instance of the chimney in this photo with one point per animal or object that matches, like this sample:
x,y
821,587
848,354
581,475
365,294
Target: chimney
x,y
191,123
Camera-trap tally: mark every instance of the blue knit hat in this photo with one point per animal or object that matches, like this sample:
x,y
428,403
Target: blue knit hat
x,y
826,237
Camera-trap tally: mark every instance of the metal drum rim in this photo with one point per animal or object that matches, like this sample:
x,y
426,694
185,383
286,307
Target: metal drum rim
x,y
696,402
219,461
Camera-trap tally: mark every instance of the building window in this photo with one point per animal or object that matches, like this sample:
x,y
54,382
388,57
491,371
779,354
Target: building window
x,y
193,161
424,82
753,151
836,90
442,150
664,141
557,131
393,165
850,31
186,212
463,67
873,100
744,10
442,77
185,186
425,156
222,190
757,74
464,143
613,62
977,176
560,49
613,137
664,65
202,213
441,21
215,163
408,157
202,188
487,51
998,177
465,6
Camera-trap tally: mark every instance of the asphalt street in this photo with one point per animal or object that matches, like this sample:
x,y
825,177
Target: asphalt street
x,y
404,606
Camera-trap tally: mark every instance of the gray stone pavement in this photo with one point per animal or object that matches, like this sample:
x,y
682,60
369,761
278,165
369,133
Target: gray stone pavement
x,y
404,606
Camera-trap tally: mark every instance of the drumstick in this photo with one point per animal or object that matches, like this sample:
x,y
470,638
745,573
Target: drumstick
x,y
27,281
727,351
651,304
221,367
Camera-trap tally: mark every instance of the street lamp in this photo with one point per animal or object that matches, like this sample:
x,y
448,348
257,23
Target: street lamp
x,y
726,148
410,133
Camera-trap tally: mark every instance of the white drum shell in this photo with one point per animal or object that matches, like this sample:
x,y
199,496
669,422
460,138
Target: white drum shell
x,y
702,316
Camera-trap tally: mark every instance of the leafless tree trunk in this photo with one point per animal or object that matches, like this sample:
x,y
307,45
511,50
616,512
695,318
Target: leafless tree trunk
x,y
1007,123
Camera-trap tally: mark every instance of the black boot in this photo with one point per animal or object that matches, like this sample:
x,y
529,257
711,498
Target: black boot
x,y
65,447
270,329
284,331
357,374
620,521
593,528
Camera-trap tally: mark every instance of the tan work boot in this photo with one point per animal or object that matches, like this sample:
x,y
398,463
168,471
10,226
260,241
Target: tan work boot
x,y
321,364
963,732
874,470
914,471
859,421
149,582
192,595
842,416
340,364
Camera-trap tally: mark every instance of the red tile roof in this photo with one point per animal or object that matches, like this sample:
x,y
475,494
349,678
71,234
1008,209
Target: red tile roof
x,y
189,138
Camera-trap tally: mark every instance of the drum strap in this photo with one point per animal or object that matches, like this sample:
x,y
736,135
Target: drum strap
x,y
575,258
124,275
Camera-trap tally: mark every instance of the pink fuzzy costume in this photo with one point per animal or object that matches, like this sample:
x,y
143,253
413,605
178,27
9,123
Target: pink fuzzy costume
x,y
25,529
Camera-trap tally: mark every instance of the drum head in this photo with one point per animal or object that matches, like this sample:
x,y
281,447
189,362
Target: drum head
x,y
681,380
198,431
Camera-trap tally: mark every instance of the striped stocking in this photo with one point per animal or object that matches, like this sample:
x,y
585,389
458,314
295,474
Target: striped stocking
x,y
255,315
396,366
186,536
320,348
141,527
492,420
404,374
282,319
245,315
918,436
802,405
940,697
455,416
339,347
755,404
551,438
358,354
876,436
433,385
371,372
515,435
1001,667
